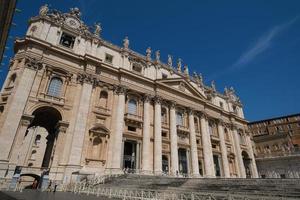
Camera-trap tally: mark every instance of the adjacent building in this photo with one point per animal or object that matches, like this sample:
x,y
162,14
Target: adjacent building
x,y
73,103
277,149
7,10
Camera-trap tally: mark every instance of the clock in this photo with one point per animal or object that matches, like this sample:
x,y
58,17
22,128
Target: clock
x,y
74,23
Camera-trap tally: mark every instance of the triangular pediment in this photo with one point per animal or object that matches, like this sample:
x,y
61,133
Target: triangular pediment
x,y
183,86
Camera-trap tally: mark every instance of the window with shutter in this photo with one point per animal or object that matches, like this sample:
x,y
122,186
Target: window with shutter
x,y
132,106
55,87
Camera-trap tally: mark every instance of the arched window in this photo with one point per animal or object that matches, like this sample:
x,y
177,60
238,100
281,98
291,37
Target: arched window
x,y
55,87
226,134
132,106
97,142
241,138
179,118
103,99
210,128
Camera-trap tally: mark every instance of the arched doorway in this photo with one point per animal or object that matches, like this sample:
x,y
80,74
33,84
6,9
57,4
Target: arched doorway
x,y
247,162
45,125
28,179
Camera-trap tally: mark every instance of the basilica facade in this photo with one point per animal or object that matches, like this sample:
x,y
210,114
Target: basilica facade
x,y
73,103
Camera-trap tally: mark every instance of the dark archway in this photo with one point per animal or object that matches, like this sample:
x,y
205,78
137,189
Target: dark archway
x,y
48,118
35,177
247,162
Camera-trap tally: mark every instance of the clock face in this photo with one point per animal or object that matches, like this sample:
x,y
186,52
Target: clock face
x,y
74,23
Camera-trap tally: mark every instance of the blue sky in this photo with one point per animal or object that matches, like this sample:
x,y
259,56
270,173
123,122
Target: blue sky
x,y
252,45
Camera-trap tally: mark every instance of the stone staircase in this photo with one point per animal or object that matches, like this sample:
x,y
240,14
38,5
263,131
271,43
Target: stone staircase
x,y
260,187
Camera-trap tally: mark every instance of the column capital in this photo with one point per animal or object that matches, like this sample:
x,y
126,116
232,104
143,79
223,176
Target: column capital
x,y
202,114
147,98
62,126
190,111
172,104
233,126
120,89
157,99
26,119
33,63
87,78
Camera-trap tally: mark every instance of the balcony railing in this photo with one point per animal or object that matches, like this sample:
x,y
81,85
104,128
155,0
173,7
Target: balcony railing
x,y
133,118
275,154
182,129
102,110
51,98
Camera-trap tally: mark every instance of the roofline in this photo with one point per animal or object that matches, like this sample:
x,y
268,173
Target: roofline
x,y
274,118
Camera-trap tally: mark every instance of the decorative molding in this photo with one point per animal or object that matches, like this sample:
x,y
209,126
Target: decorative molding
x,y
33,63
87,78
26,120
157,99
120,89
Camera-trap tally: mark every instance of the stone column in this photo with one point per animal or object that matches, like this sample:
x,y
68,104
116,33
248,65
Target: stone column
x,y
118,130
16,107
157,136
16,148
173,142
60,141
146,165
251,155
193,143
223,147
238,152
81,121
209,168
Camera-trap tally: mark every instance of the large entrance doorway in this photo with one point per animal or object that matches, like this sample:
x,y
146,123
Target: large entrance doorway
x,y
217,165
129,157
247,162
182,159
45,125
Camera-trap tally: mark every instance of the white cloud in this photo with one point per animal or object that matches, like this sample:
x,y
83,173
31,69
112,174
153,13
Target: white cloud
x,y
262,44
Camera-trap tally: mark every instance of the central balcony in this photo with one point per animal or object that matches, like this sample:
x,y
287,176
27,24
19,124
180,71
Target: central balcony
x,y
102,111
182,129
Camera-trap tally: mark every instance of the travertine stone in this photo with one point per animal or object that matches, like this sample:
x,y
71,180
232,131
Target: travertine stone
x,y
173,137
157,137
194,151
207,149
15,112
146,167
238,153
223,151
251,155
80,124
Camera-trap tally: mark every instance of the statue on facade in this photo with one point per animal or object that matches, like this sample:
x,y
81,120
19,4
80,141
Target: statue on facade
x,y
213,85
200,79
226,92
75,12
44,10
186,70
98,29
170,60
126,43
179,65
157,55
148,53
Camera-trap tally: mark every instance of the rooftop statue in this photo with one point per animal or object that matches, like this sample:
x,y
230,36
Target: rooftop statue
x,y
213,85
75,12
98,29
170,60
179,65
44,10
148,53
186,70
157,56
126,43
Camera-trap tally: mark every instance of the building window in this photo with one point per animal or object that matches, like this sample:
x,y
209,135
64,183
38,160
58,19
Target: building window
x,y
197,129
164,115
164,134
67,40
210,128
132,106
164,76
103,99
33,154
37,139
179,118
221,104
108,58
55,87
137,68
131,128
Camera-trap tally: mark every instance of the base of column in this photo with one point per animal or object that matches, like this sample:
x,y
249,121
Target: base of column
x,y
196,176
7,169
158,173
146,172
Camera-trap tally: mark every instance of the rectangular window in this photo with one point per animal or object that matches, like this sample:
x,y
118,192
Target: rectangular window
x,y
131,128
67,40
164,134
108,58
179,119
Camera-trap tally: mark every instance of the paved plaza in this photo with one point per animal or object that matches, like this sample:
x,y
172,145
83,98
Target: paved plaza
x,y
37,195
